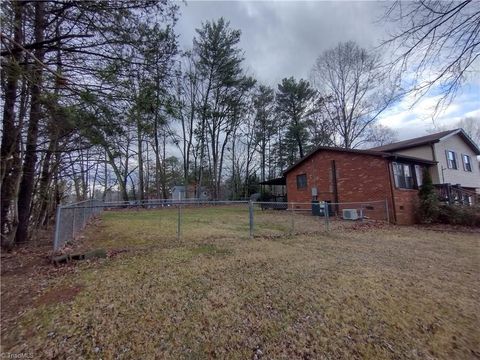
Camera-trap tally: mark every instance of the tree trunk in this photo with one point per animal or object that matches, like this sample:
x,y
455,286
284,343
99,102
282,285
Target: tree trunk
x,y
121,180
26,185
164,167
203,134
44,190
141,188
44,185
157,156
8,174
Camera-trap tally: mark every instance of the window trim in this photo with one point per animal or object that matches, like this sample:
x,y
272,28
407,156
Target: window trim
x,y
418,174
465,164
447,151
411,168
306,181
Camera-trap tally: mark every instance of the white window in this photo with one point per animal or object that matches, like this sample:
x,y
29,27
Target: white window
x,y
451,159
402,174
467,163
419,174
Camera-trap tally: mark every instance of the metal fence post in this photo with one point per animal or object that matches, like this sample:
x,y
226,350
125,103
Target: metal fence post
x,y
57,228
326,215
179,220
74,222
292,220
250,212
84,217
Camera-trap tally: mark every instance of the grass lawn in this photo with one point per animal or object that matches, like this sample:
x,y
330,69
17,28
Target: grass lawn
x,y
373,292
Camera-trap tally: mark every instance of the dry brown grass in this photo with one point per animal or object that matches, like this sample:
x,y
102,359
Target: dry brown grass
x,y
391,292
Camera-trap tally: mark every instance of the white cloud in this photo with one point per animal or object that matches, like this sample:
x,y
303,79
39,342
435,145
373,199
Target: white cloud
x,y
412,119
283,39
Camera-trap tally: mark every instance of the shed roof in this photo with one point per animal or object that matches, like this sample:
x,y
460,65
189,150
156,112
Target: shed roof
x,y
277,181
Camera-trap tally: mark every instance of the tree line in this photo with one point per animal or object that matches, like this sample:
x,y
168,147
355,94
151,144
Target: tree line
x,y
98,98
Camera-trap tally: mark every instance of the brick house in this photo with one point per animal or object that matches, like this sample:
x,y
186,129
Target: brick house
x,y
345,175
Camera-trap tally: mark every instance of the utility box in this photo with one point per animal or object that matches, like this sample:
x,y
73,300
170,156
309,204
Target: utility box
x,y
318,209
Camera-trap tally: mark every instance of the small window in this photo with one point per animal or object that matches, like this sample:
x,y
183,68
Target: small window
x,y
402,174
467,163
301,181
451,160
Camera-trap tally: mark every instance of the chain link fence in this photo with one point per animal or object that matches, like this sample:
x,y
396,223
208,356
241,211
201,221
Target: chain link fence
x,y
294,218
71,219
194,219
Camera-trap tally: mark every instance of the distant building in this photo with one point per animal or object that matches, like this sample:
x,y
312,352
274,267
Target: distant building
x,y
181,192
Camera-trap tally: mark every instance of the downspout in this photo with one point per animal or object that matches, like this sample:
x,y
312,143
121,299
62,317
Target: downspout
x,y
434,158
432,146
335,186
389,171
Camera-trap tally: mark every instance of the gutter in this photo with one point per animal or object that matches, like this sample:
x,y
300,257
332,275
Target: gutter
x,y
394,207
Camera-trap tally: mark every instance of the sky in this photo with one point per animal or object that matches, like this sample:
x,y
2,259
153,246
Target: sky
x,y
283,39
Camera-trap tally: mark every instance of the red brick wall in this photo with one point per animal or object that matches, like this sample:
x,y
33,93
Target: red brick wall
x,y
360,178
405,205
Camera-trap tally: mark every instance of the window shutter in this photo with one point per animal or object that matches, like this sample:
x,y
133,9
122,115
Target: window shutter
x,y
448,160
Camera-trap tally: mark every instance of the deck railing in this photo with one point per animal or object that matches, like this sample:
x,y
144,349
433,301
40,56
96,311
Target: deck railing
x,y
456,195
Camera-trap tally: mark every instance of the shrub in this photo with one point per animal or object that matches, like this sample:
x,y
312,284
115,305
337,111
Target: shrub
x,y
459,215
428,209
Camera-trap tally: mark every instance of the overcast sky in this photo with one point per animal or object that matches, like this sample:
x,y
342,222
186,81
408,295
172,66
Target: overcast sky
x,y
283,39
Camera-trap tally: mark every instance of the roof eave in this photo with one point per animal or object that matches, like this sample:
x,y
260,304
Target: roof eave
x,y
337,149
411,158
413,146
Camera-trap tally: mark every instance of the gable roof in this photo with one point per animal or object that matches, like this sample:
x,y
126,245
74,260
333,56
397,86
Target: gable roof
x,y
428,139
372,152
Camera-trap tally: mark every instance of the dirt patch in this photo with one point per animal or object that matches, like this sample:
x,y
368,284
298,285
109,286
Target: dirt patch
x,y
450,228
61,294
26,274
116,252
369,225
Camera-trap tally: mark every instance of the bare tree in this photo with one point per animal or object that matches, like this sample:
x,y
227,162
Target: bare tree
x,y
264,105
355,89
436,43
187,103
379,135
471,125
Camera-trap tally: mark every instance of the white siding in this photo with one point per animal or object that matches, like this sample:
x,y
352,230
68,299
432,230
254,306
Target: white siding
x,y
423,152
459,176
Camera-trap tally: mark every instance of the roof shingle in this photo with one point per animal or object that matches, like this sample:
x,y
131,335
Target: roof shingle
x,y
422,140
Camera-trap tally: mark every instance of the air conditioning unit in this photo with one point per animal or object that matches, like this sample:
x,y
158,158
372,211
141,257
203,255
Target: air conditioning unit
x,y
350,214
